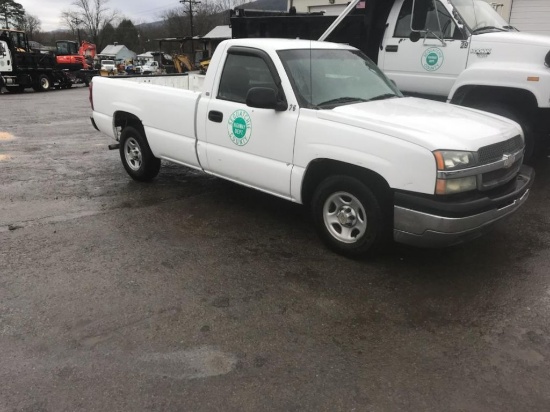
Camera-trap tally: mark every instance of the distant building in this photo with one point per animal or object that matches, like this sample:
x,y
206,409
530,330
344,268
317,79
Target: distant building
x,y
215,37
118,53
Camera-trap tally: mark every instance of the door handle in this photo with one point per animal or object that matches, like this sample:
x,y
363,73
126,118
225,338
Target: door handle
x,y
391,48
215,116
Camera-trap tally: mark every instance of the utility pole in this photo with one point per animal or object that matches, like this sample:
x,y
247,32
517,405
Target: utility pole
x,y
191,2
76,22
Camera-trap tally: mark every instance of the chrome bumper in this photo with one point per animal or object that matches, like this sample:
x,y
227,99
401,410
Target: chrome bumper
x,y
417,228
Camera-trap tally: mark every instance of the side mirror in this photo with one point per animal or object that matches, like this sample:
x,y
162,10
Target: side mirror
x,y
414,36
420,14
265,98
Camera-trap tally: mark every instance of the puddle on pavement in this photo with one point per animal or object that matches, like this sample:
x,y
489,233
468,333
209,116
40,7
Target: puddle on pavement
x,y
193,363
6,136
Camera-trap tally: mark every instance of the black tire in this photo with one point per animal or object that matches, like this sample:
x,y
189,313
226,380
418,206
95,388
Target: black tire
x,y
522,120
136,155
349,217
43,83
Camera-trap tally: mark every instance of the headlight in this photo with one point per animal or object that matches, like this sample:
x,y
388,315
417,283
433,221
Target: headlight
x,y
453,160
449,161
450,186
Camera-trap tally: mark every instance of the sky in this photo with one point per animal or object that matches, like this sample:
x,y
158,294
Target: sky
x,y
139,11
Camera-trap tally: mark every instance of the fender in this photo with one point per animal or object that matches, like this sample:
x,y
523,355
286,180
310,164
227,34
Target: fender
x,y
364,149
495,74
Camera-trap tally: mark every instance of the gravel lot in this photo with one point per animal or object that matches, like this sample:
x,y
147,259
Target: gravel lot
x,y
193,294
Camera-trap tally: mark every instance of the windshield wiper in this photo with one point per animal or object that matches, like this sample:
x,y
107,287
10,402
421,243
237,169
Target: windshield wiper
x,y
488,28
383,97
342,100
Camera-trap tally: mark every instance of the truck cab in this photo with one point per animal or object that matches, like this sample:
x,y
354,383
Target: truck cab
x,y
108,66
151,67
68,57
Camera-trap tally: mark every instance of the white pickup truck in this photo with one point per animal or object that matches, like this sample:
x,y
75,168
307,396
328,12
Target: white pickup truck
x,y
318,123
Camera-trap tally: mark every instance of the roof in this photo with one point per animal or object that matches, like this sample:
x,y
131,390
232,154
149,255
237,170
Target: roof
x,y
219,32
113,50
273,45
148,55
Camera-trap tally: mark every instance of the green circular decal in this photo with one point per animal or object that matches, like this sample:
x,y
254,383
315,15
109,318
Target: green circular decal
x,y
432,59
239,127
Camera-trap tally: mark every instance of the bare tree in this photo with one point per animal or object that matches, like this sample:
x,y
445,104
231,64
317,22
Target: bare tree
x,y
206,15
31,24
91,15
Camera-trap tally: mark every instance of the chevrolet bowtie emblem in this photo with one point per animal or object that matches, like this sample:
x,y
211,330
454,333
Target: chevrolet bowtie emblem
x,y
508,159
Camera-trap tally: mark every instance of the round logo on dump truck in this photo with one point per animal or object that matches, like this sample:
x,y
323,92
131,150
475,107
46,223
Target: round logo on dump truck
x,y
239,127
432,59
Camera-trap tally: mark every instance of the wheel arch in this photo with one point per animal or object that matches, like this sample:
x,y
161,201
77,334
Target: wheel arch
x,y
320,169
122,119
472,95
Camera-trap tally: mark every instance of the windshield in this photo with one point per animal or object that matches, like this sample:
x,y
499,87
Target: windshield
x,y
324,79
480,16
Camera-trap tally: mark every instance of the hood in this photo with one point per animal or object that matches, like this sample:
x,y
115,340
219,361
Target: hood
x,y
512,47
514,37
432,125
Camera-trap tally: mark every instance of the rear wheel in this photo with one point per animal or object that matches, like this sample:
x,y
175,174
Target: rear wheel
x,y
136,155
43,83
349,217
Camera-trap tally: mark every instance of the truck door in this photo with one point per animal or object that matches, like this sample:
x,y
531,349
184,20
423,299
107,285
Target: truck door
x,y
5,58
428,66
249,145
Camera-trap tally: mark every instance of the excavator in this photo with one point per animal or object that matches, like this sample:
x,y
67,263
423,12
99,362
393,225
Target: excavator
x,y
183,64
77,61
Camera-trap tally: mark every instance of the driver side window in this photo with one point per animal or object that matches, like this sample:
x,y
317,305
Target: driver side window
x,y
241,73
448,26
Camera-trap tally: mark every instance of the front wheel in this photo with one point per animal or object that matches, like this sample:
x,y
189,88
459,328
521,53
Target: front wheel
x,y
136,155
349,217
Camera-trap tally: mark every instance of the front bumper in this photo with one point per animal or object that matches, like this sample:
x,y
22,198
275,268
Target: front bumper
x,y
429,223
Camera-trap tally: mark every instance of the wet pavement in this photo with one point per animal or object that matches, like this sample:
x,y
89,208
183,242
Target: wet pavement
x,y
194,294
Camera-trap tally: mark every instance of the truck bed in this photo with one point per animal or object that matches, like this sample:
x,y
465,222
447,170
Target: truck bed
x,y
188,81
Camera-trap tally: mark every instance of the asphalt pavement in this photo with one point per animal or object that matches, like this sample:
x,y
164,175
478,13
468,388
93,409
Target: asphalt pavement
x,y
190,293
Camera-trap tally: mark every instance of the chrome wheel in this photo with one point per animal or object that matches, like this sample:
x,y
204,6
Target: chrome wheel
x,y
345,217
132,153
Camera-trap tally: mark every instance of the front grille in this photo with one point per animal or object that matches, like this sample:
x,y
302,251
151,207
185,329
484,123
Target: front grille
x,y
494,152
500,176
